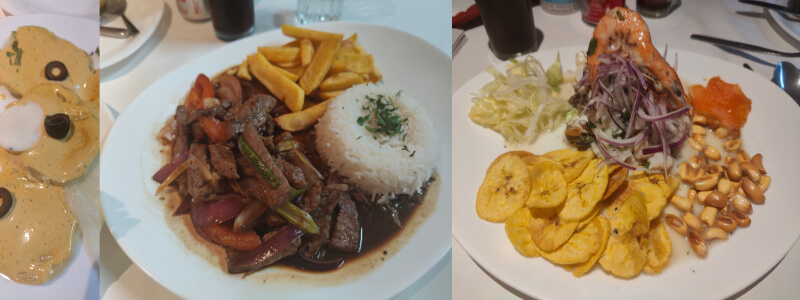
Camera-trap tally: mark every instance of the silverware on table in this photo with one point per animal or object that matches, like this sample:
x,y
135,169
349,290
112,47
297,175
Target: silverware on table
x,y
772,6
743,46
117,7
787,77
459,41
114,32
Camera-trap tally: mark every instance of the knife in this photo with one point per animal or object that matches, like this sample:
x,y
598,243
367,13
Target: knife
x,y
771,6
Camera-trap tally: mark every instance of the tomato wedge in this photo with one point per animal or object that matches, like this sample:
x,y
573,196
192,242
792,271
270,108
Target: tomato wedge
x,y
201,90
214,129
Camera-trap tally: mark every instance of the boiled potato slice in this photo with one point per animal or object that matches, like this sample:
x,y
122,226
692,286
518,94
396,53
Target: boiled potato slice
x,y
585,192
624,256
548,187
280,54
284,89
659,254
632,217
549,234
306,52
572,162
313,35
504,189
580,269
318,68
580,247
517,231
303,119
341,81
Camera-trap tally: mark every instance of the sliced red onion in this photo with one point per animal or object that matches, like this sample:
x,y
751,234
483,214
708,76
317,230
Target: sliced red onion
x,y
225,208
167,169
307,263
271,250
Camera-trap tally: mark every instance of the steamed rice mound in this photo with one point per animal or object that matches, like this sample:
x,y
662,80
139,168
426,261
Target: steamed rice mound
x,y
372,161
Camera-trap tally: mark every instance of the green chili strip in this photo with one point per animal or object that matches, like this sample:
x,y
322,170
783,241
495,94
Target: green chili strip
x,y
297,216
257,163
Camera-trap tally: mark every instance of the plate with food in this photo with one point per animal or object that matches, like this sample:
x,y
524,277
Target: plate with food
x,y
297,163
602,171
50,213
146,15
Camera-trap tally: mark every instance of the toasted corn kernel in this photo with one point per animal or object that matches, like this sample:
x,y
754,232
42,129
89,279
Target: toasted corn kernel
x,y
753,191
676,223
695,145
721,132
750,171
698,244
700,139
682,202
715,233
724,186
735,171
709,215
692,221
698,130
729,160
716,199
742,204
692,194
742,156
756,160
705,182
732,145
712,153
699,120
764,184
685,172
701,197
740,218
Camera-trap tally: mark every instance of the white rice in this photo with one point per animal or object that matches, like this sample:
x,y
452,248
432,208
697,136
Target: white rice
x,y
373,162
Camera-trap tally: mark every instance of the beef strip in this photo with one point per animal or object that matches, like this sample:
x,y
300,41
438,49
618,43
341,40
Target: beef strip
x,y
182,131
198,133
256,110
346,235
215,111
294,174
277,195
329,198
198,185
223,161
310,201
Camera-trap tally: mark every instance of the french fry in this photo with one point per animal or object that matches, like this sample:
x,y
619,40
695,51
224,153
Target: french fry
x,y
320,64
353,38
289,75
306,52
375,76
340,81
243,73
288,64
295,43
296,70
232,71
284,89
280,54
328,95
303,119
338,66
347,47
359,49
357,63
313,35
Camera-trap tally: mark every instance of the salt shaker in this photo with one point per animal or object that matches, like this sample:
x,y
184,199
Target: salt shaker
x,y
193,10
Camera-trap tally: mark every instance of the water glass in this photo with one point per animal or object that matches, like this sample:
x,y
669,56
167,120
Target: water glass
x,y
310,11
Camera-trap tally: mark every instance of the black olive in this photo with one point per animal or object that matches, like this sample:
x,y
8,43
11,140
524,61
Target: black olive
x,y
57,126
5,202
55,70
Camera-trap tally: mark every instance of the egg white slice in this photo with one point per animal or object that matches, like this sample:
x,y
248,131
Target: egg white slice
x,y
21,126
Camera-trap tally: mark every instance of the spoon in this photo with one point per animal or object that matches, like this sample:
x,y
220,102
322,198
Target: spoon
x,y
787,78
117,7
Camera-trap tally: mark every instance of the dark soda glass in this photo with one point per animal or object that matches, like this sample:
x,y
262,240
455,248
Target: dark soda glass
x,y
654,8
509,24
232,19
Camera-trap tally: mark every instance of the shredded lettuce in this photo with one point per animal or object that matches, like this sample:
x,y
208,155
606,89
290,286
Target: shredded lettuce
x,y
521,102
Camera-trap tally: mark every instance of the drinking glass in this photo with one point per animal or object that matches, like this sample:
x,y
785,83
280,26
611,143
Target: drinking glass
x,y
310,11
232,19
509,24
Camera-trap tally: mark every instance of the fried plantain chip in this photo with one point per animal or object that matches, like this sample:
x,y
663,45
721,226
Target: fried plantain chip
x,y
517,231
616,177
572,162
659,254
549,234
654,198
579,248
584,193
504,190
624,256
588,219
548,187
632,217
581,268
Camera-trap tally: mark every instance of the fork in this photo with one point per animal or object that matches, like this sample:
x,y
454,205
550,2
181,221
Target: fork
x,y
743,46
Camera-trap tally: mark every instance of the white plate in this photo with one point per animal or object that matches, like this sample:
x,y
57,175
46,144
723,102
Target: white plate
x,y
730,266
136,218
145,15
79,280
76,8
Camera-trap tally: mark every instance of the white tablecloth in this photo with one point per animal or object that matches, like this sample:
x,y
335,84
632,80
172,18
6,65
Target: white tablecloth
x,y
177,41
710,17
